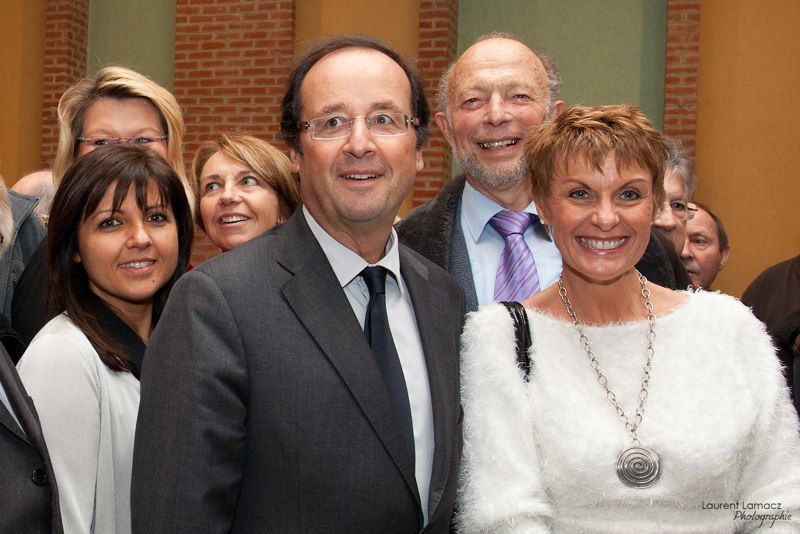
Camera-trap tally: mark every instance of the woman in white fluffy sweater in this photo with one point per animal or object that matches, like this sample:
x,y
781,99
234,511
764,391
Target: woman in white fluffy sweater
x,y
646,410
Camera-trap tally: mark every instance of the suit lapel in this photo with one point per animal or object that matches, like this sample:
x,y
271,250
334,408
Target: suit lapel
x,y
461,268
441,368
8,421
318,300
13,389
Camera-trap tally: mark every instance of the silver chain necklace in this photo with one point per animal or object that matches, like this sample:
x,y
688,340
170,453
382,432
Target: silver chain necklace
x,y
637,466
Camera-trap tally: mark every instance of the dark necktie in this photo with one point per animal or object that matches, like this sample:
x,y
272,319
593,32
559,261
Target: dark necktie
x,y
516,277
379,336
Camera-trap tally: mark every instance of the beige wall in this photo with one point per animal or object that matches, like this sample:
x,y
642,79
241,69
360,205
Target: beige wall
x,y
396,22
22,68
748,131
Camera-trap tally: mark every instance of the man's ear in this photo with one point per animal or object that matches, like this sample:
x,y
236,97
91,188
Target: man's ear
x,y
444,126
558,107
294,157
725,256
420,161
76,257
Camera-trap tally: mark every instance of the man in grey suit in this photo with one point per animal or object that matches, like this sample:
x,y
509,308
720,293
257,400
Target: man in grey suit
x,y
307,381
28,493
488,99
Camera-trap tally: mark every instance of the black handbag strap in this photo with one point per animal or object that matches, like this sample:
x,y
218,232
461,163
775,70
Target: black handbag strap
x,y
522,333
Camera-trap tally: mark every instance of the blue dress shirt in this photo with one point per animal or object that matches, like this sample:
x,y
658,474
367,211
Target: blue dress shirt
x,y
485,245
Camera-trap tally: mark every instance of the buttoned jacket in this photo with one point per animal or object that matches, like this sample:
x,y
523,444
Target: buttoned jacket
x,y
263,409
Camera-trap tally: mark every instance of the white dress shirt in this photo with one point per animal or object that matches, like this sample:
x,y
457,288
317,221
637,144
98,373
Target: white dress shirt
x,y
485,244
347,266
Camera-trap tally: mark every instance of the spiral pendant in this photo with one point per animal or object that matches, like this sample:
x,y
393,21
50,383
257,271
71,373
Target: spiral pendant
x,y
638,467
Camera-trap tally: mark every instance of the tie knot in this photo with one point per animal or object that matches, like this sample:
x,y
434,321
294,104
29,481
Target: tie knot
x,y
375,278
511,222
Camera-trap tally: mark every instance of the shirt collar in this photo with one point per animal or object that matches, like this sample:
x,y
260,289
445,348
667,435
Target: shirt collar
x,y
345,263
477,209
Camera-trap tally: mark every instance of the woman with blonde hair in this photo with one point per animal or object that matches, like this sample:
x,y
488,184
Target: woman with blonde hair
x,y
243,186
116,106
609,404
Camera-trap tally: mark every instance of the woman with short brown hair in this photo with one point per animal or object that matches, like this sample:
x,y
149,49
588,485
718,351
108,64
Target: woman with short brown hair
x,y
635,409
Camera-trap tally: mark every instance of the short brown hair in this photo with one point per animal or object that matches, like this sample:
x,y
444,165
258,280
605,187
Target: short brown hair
x,y
290,108
271,166
81,190
593,133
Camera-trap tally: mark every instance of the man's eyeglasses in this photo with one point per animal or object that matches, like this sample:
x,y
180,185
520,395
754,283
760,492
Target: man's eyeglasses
x,y
681,209
107,141
339,127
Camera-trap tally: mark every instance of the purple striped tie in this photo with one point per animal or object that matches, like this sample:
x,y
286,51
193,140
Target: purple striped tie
x,y
516,278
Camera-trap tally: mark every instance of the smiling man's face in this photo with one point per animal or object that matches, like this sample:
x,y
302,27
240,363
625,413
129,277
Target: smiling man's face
x,y
356,183
497,90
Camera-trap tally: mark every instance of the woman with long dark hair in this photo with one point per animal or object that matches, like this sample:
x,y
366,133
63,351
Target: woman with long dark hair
x,y
120,235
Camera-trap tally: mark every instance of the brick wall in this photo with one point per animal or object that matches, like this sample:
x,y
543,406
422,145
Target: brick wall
x,y
680,83
231,62
66,29
438,27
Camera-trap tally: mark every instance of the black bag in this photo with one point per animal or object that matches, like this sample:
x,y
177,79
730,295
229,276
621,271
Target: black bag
x,y
522,332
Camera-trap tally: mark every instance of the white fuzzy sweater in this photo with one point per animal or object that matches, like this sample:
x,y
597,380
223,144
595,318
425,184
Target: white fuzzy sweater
x,y
541,456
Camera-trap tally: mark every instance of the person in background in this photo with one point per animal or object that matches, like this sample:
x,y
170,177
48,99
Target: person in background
x,y
40,186
774,297
28,492
669,225
120,236
707,249
117,106
775,293
679,184
22,231
243,187
483,226
641,403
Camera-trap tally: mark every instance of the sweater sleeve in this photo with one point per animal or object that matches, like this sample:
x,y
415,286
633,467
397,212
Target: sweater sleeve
x,y
58,374
771,472
500,489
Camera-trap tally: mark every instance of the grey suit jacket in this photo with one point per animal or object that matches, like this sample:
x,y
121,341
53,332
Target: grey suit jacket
x,y
263,409
28,493
434,231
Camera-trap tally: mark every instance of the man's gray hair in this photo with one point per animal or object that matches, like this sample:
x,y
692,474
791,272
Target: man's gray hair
x,y
679,162
553,76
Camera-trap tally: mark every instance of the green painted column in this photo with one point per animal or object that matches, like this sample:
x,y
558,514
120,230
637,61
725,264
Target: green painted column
x,y
139,35
608,52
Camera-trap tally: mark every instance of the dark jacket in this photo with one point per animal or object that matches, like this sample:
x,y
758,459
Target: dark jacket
x,y
28,313
432,231
28,492
787,340
27,233
263,408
